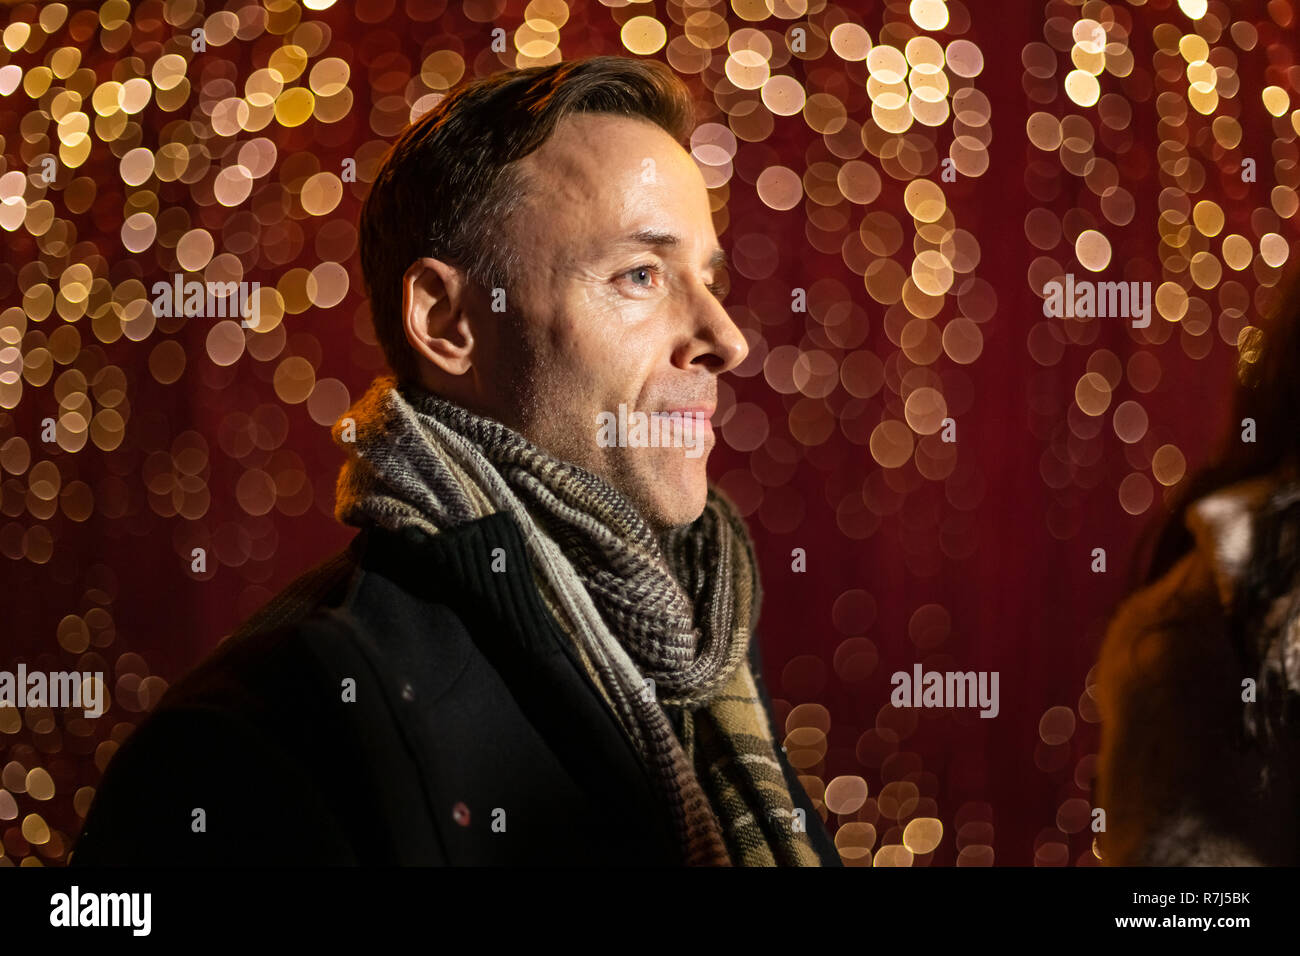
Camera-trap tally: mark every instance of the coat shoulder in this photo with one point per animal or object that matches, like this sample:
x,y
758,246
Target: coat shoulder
x,y
254,736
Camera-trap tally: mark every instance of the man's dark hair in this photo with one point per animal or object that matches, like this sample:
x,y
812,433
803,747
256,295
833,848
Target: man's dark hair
x,y
447,186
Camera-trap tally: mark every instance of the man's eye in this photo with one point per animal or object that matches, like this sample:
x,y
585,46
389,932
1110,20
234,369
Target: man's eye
x,y
649,271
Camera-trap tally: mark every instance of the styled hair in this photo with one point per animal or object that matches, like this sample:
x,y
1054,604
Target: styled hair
x,y
447,187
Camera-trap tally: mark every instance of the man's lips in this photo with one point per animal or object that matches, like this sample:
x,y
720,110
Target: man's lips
x,y
695,427
694,412
694,419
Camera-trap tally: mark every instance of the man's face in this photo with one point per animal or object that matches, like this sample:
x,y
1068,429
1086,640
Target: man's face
x,y
611,307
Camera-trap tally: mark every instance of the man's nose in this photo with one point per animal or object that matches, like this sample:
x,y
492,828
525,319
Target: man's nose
x,y
716,343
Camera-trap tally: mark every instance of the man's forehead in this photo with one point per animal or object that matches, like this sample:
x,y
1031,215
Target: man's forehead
x,y
597,193
593,148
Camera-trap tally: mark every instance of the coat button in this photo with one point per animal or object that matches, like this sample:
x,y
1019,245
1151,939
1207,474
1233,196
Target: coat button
x,y
460,813
408,692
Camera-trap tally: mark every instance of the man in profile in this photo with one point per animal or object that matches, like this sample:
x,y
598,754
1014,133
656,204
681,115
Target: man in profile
x,y
539,648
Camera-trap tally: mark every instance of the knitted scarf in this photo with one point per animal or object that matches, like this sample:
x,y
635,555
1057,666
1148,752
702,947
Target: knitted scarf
x,y
675,609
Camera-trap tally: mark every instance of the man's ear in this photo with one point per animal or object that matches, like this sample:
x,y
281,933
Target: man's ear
x,y
433,301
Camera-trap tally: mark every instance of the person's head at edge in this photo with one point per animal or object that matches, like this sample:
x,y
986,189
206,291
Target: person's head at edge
x,y
1267,396
540,249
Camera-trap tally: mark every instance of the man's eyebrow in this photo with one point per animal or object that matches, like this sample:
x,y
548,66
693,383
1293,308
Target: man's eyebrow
x,y
667,240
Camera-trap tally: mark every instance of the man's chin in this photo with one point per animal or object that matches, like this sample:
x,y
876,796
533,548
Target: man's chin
x,y
667,488
676,501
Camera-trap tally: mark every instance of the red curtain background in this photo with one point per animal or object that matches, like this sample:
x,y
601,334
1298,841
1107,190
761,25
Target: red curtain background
x,y
1068,150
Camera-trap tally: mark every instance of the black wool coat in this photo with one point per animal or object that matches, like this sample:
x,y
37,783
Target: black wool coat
x,y
400,704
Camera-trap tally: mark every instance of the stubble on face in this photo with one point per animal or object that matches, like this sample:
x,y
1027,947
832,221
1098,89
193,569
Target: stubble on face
x,y
544,393
556,313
